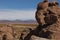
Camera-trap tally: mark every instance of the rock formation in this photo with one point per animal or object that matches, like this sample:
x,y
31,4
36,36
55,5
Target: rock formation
x,y
24,33
6,33
48,18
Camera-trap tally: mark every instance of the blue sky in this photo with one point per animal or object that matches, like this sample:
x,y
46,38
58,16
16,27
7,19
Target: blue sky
x,y
18,4
18,9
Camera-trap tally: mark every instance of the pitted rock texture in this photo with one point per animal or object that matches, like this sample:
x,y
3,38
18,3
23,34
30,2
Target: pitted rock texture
x,y
6,33
49,15
48,18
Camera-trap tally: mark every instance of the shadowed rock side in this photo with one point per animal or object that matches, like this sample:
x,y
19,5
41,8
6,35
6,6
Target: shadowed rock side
x,y
48,18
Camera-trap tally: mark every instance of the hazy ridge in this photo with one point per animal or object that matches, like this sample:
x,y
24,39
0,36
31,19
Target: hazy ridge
x,y
18,21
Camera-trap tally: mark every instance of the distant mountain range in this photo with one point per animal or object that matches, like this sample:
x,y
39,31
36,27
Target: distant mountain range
x,y
18,21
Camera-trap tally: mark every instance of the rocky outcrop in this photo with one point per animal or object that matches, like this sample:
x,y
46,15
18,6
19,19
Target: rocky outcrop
x,y
6,33
48,18
49,15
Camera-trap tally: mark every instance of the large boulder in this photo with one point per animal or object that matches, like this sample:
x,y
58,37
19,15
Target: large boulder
x,y
50,15
48,18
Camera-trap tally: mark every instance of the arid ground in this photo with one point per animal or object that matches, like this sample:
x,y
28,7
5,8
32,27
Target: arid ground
x,y
18,28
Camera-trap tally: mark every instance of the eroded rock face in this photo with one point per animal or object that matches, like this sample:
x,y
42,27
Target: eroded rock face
x,y
6,33
49,15
48,18
47,11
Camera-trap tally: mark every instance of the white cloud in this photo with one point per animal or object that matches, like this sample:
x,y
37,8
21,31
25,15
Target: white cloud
x,y
9,14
